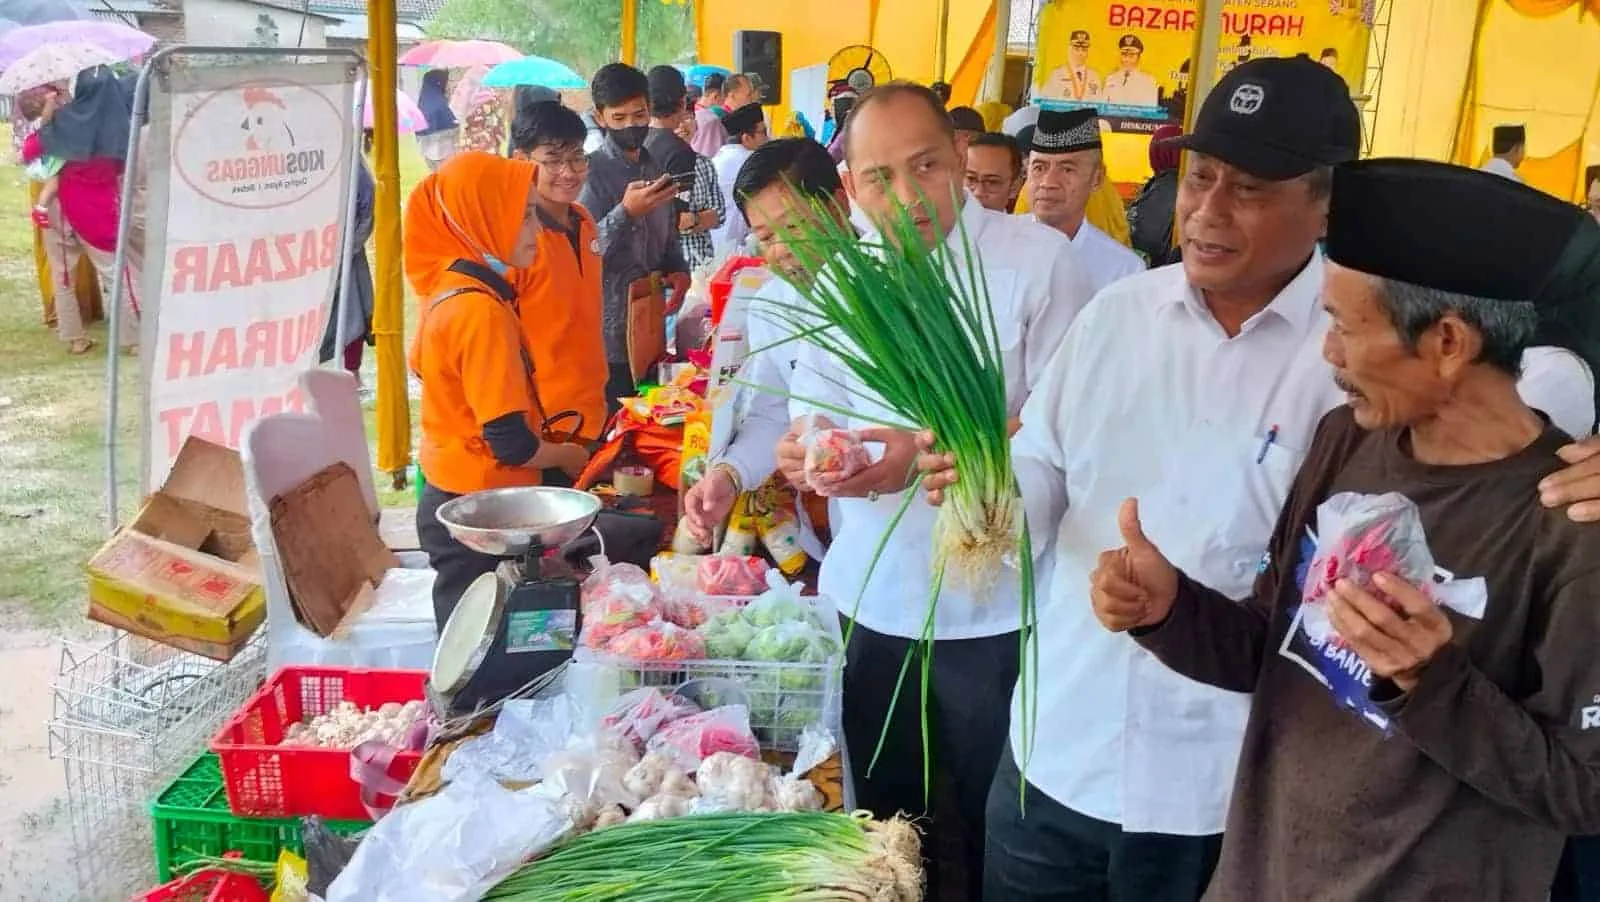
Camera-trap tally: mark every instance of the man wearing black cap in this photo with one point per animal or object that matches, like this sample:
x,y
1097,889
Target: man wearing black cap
x,y
1196,388
699,207
1509,143
1075,80
1064,169
1128,86
1444,739
747,130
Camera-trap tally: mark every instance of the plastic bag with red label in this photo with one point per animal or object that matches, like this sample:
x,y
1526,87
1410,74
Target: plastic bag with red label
x,y
726,574
691,740
832,456
659,641
640,714
617,598
1357,536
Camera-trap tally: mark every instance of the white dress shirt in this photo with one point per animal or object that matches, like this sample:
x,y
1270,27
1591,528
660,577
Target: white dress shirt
x,y
1558,382
1131,88
1502,168
1106,258
1150,399
1036,287
730,234
761,417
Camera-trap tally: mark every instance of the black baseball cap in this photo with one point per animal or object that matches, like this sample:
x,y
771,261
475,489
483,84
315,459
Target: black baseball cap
x,y
1277,119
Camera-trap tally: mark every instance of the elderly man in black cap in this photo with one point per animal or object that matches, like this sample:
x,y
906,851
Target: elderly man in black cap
x,y
1127,85
747,131
1509,144
1064,169
1196,388
1444,738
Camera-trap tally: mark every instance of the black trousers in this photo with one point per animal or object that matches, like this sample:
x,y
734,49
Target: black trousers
x,y
455,565
1578,876
1056,854
969,706
619,384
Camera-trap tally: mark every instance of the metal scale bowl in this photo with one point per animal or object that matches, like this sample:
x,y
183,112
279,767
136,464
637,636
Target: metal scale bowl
x,y
508,632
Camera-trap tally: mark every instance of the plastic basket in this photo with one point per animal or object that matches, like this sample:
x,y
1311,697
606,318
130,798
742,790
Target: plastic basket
x,y
784,697
265,779
191,818
207,886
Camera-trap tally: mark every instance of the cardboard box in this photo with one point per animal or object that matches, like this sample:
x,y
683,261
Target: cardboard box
x,y
332,555
185,571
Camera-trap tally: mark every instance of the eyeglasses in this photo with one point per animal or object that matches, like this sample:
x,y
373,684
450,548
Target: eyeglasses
x,y
575,164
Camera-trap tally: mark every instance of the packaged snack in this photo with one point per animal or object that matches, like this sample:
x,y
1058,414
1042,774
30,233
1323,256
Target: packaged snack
x,y
659,641
725,574
1359,535
832,456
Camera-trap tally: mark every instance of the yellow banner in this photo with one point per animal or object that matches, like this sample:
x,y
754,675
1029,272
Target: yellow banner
x,y
1130,61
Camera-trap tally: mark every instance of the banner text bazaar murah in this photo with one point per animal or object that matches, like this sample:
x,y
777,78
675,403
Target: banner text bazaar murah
x,y
209,268
1184,17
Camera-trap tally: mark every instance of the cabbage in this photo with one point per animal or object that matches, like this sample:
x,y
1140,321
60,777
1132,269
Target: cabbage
x,y
797,642
727,636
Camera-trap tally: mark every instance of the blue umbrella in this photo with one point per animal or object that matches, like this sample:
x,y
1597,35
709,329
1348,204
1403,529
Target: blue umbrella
x,y
534,70
697,75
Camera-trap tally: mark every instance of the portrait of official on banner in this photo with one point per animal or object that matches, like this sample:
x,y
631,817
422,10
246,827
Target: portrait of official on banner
x,y
1131,61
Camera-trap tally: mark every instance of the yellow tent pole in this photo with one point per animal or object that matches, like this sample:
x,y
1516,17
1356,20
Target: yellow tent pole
x,y
388,313
994,82
630,32
1203,74
941,50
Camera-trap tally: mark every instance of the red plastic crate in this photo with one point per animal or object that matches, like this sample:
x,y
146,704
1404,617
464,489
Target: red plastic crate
x,y
264,779
207,886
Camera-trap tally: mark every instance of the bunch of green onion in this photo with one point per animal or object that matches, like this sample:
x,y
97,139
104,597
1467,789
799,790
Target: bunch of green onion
x,y
915,325
744,857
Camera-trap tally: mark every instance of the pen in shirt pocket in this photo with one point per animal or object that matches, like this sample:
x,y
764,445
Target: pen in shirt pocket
x,y
1268,442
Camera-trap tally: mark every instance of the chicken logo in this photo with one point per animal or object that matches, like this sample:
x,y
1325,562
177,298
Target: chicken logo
x,y
265,124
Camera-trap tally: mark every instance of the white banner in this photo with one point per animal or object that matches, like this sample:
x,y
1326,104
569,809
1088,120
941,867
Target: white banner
x,y
249,181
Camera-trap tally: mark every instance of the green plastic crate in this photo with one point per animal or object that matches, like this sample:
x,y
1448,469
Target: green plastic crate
x,y
192,818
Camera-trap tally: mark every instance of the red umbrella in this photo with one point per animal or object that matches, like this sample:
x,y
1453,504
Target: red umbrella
x,y
459,54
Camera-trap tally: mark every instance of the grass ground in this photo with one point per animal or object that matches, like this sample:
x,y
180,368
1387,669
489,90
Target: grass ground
x,y
52,433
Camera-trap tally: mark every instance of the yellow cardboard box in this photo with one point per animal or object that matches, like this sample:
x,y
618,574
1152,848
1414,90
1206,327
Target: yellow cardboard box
x,y
185,571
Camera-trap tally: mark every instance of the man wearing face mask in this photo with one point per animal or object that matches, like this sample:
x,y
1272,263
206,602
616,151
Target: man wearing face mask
x,y
631,199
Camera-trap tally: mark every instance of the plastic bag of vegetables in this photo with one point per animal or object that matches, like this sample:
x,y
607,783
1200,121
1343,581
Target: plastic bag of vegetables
x,y
691,740
658,641
726,574
727,635
832,456
616,598
780,603
638,715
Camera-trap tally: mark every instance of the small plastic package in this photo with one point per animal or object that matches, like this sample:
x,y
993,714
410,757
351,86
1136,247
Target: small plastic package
x,y
691,740
731,575
832,456
1357,536
640,714
658,641
616,598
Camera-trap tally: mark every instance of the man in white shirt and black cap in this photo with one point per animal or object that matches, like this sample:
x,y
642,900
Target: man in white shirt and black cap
x,y
747,131
1509,143
1195,388
1065,167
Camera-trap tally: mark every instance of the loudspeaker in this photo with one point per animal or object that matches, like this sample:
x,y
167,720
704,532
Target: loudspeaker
x,y
759,54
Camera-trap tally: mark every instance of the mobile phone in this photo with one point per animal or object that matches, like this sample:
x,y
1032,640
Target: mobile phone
x,y
684,180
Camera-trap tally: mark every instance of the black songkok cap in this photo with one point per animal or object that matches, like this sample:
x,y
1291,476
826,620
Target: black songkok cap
x,y
1066,131
1475,233
743,120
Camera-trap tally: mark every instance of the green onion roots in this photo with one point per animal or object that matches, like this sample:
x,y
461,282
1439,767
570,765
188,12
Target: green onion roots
x,y
742,857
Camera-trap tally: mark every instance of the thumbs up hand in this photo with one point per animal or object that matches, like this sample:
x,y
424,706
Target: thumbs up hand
x,y
1135,585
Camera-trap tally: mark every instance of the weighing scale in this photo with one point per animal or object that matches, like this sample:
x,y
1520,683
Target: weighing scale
x,y
515,629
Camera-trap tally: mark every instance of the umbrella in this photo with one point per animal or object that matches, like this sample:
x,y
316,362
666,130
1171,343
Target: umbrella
x,y
459,54
697,75
53,63
534,70
408,116
38,12
126,41
469,92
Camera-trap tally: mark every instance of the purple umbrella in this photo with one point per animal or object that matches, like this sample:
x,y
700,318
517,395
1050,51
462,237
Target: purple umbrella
x,y
122,40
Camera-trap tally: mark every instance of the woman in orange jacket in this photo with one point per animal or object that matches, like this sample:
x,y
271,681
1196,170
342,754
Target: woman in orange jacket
x,y
466,226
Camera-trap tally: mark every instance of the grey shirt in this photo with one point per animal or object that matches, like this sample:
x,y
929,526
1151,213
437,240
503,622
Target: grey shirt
x,y
630,249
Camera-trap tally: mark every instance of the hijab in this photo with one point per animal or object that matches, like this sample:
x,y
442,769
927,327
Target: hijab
x,y
94,123
1164,156
435,102
470,210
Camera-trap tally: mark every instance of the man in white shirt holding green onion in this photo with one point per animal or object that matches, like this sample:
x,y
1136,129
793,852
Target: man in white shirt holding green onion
x,y
901,149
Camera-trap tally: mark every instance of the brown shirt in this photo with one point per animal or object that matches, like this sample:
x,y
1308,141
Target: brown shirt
x,y
1464,789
